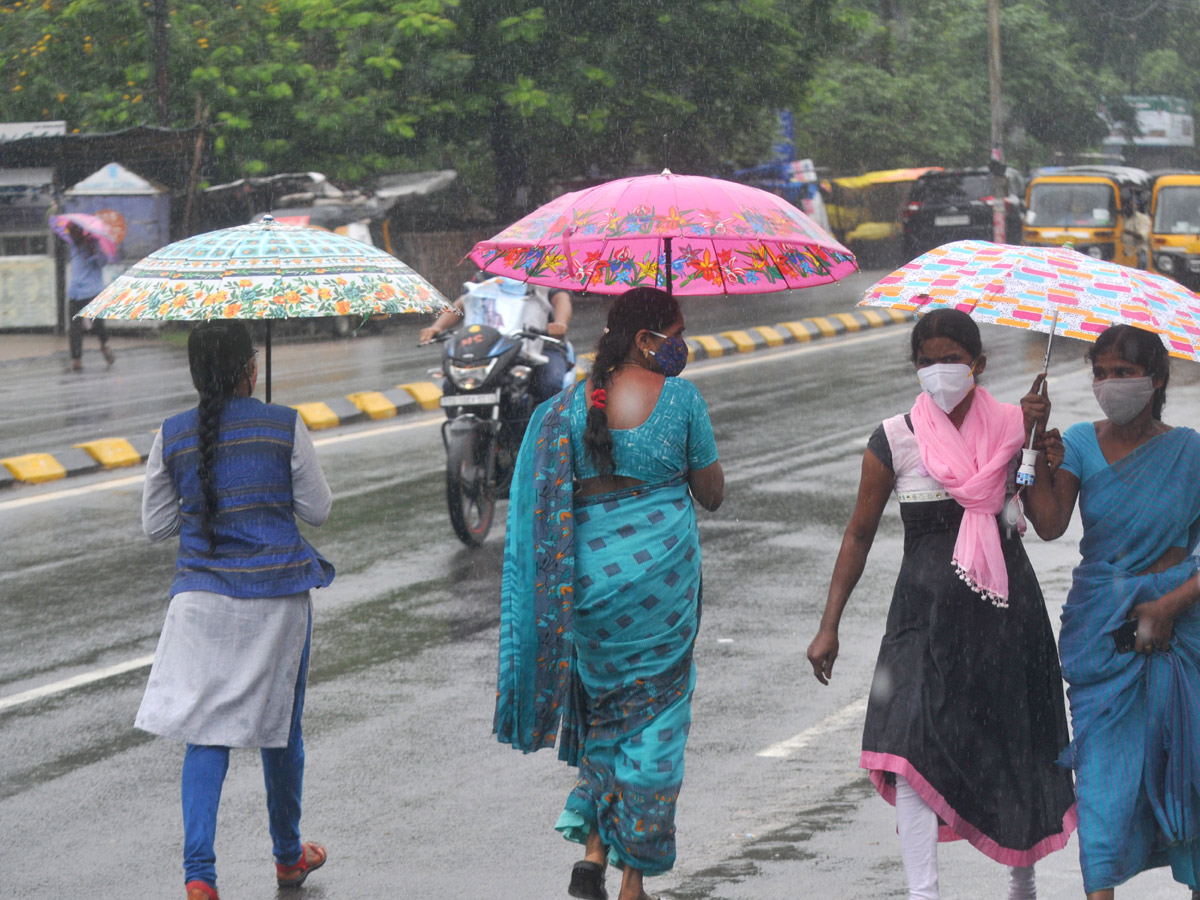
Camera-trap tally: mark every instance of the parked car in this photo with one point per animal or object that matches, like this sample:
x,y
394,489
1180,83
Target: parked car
x,y
956,205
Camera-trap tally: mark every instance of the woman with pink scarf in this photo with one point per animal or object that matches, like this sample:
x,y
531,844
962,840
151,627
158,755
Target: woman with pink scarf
x,y
965,718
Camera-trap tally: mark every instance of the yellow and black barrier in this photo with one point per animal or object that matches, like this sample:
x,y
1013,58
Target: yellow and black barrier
x,y
366,406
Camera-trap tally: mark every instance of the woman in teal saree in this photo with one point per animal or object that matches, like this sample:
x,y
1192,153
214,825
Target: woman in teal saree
x,y
600,603
1130,637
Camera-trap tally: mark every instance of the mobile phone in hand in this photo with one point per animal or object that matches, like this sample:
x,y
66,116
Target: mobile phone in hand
x,y
1125,636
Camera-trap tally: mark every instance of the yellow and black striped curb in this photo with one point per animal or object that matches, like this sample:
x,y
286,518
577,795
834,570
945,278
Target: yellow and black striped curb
x,y
362,406
800,331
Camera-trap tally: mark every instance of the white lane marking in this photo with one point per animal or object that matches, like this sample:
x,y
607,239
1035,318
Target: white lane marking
x,y
797,742
375,432
67,684
64,493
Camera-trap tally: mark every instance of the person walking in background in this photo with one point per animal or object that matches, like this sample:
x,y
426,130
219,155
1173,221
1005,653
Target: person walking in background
x,y
601,595
1130,636
230,477
85,280
965,718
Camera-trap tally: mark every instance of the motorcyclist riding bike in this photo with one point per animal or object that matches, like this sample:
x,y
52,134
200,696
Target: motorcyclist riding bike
x,y
508,305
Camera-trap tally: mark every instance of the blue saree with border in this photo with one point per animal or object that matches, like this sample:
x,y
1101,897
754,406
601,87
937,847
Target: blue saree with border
x,y
1135,747
600,606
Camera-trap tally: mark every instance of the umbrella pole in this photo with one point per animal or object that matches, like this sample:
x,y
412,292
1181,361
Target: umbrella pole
x,y
667,255
268,346
1045,370
1025,474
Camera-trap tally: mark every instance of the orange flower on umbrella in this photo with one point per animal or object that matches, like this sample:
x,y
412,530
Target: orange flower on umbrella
x,y
706,267
265,270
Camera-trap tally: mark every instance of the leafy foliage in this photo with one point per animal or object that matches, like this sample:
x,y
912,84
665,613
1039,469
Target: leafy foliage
x,y
518,94
914,90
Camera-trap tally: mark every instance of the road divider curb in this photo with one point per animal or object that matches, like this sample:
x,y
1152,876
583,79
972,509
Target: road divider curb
x,y
111,453
365,406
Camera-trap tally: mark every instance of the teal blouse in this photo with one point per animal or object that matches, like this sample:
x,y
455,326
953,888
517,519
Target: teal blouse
x,y
676,437
1083,458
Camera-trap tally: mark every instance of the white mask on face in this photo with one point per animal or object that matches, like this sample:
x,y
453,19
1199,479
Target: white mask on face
x,y
1122,399
947,384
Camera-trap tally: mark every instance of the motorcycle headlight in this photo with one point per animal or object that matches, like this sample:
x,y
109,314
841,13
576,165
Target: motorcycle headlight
x,y
1165,262
470,377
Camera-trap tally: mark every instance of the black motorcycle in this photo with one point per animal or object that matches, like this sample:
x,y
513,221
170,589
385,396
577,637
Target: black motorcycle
x,y
488,398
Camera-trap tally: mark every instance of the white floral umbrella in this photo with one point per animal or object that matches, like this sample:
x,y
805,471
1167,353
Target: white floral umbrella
x,y
266,271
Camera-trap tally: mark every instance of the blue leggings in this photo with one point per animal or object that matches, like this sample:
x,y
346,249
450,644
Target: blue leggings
x,y
204,769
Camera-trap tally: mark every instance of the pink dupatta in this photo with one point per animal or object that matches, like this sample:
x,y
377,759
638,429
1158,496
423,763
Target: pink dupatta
x,y
972,464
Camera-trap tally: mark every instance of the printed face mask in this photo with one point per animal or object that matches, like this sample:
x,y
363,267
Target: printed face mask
x,y
672,354
947,384
1122,399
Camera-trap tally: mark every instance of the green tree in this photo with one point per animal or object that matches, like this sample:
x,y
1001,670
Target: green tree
x,y
912,89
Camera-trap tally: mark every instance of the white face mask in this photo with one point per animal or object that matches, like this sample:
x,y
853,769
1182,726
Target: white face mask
x,y
1122,399
947,384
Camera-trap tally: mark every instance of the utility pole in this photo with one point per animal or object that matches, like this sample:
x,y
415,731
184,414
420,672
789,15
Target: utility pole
x,y
161,73
996,162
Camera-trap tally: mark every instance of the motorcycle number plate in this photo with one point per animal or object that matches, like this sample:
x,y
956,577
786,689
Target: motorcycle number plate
x,y
942,221
490,399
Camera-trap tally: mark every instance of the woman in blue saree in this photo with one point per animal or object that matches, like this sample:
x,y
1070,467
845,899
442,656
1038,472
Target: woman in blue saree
x,y
1130,637
600,602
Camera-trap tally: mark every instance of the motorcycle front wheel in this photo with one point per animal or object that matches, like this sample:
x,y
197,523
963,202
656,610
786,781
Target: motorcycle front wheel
x,y
471,501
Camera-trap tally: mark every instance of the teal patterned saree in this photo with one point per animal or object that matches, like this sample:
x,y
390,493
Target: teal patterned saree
x,y
600,606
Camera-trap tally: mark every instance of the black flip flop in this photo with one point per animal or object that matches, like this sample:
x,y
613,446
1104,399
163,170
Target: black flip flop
x,y
587,881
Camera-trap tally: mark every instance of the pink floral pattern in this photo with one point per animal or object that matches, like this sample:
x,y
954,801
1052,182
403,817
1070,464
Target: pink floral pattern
x,y
723,238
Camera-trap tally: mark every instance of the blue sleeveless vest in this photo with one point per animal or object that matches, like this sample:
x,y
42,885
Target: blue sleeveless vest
x,y
259,551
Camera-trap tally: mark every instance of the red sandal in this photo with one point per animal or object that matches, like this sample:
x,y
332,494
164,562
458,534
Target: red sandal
x,y
313,856
200,890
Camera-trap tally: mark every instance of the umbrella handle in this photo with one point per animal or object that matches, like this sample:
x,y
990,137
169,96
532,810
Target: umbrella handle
x,y
667,257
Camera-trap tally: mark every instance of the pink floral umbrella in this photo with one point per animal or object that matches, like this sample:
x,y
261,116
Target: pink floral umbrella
x,y
91,225
685,233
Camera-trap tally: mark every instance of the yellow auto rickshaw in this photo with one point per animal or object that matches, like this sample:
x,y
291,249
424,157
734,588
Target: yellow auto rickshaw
x,y
1099,210
864,213
1175,227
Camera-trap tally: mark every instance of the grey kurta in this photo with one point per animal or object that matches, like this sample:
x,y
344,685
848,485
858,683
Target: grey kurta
x,y
225,669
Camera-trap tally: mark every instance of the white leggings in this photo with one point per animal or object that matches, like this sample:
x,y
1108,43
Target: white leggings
x,y
918,827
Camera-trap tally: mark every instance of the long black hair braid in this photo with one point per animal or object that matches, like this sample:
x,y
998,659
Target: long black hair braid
x,y
218,355
635,310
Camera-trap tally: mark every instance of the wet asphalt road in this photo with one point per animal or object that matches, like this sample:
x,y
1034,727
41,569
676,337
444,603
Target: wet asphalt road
x,y
44,407
405,783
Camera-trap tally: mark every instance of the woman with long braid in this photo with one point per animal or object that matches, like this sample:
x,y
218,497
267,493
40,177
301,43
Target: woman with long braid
x,y
230,477
600,602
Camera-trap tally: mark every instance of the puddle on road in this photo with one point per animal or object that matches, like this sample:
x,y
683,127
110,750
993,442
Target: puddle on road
x,y
788,844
